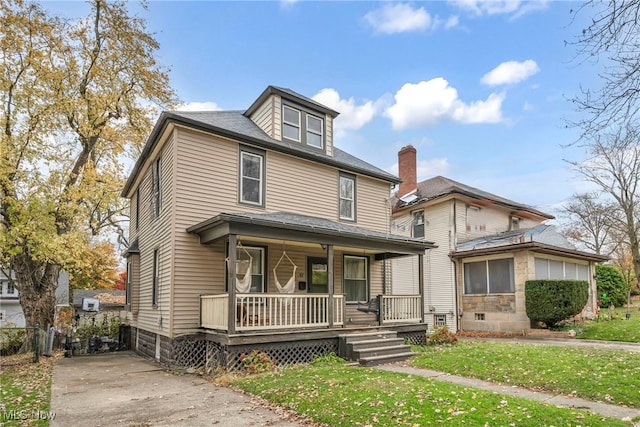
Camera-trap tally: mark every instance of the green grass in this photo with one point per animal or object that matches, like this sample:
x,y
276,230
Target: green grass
x,y
616,329
25,393
340,395
592,373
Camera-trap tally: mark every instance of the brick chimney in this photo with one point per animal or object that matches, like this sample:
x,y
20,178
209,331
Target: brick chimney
x,y
407,170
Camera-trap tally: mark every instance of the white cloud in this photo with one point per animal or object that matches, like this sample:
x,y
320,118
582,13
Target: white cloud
x,y
510,72
286,4
198,106
515,8
352,116
429,103
398,18
452,22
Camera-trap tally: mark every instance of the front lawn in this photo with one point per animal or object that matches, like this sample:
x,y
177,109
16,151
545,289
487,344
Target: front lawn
x,y
617,329
25,392
592,373
340,395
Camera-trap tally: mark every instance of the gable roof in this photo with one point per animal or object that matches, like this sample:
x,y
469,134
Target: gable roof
x,y
441,186
235,124
541,238
290,95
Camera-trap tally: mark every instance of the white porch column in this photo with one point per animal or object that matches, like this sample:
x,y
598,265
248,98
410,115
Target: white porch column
x,y
421,283
330,287
231,280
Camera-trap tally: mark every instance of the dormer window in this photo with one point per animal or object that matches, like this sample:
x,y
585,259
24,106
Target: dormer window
x,y
314,131
302,126
290,123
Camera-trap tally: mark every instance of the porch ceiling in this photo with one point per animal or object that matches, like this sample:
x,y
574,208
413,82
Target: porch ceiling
x,y
302,228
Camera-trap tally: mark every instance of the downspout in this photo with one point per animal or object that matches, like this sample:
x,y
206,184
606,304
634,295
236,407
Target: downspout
x,y
456,307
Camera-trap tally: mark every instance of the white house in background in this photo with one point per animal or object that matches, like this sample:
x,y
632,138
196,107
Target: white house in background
x,y
10,308
487,247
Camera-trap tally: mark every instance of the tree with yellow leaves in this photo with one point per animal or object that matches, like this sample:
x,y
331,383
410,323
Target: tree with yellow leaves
x,y
77,98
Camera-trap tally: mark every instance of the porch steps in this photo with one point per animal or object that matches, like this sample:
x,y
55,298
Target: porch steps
x,y
373,348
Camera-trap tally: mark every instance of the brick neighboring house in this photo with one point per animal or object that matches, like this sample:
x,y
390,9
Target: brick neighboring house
x,y
252,230
487,247
10,307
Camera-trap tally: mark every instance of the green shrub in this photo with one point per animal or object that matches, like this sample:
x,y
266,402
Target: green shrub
x,y
442,335
612,288
102,325
552,301
257,362
329,359
11,339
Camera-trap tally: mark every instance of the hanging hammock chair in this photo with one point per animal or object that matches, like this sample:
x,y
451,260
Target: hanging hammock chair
x,y
290,285
243,285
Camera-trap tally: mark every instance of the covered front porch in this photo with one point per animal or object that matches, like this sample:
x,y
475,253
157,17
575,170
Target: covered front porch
x,y
307,274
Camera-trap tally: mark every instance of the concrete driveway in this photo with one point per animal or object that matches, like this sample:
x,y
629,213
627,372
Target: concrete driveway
x,y
127,390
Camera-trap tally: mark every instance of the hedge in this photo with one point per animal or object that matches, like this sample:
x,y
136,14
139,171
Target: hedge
x,y
552,301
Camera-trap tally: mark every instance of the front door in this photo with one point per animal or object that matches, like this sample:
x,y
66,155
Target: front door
x,y
318,283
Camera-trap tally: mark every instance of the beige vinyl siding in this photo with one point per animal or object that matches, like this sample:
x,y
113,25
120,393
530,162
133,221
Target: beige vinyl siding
x,y
264,116
372,204
156,233
329,134
206,184
404,276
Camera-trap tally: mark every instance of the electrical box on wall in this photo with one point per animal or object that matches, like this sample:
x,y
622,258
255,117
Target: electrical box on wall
x,y
302,286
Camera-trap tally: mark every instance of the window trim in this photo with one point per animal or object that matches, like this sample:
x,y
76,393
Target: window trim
x,y
298,125
367,279
354,209
262,155
156,189
488,277
127,284
413,224
265,267
155,285
137,209
320,134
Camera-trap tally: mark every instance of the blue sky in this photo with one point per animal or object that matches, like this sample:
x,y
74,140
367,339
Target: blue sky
x,y
480,88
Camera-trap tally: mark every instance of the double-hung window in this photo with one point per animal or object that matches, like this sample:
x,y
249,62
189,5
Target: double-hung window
x,y
417,229
301,125
252,176
157,180
347,197
356,278
314,131
290,123
11,289
489,277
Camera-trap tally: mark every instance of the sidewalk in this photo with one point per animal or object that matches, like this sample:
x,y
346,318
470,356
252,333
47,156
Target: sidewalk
x,y
613,411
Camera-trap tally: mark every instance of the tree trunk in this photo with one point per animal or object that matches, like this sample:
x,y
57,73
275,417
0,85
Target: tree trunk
x,y
36,284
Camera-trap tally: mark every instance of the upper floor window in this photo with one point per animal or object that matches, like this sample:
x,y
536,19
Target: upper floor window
x,y
417,219
356,278
347,197
302,126
489,277
11,289
156,196
251,189
290,123
515,223
137,209
314,131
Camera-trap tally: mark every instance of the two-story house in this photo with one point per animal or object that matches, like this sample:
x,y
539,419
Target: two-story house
x,y
250,229
10,307
487,248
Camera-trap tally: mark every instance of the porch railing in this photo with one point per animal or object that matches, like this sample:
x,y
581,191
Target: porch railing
x,y
401,308
271,311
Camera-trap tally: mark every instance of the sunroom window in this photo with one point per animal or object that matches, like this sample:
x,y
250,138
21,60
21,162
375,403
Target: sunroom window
x,y
489,277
